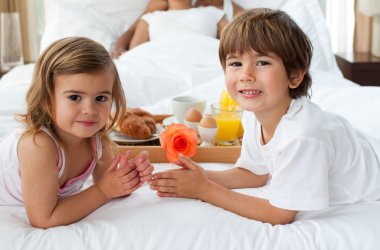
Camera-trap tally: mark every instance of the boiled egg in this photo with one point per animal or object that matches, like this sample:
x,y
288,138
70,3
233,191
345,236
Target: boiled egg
x,y
208,121
193,115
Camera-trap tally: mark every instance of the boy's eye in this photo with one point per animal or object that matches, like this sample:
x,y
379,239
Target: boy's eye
x,y
235,64
101,98
262,63
74,97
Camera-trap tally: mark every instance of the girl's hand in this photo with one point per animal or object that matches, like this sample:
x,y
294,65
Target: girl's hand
x,y
144,166
120,179
190,182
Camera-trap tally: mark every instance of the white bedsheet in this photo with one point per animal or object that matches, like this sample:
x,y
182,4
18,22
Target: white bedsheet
x,y
145,221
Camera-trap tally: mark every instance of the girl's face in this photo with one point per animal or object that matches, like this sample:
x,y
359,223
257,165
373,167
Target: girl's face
x,y
82,103
258,83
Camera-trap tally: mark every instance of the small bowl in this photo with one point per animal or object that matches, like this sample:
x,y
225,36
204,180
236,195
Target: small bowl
x,y
192,125
207,135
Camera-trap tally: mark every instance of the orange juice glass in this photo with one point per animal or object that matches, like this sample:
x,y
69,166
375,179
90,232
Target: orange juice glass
x,y
228,120
225,100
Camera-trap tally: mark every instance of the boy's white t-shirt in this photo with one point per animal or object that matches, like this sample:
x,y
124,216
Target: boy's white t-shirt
x,y
200,21
315,159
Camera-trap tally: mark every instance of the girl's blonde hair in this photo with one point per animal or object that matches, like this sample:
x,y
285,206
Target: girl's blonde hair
x,y
270,31
72,55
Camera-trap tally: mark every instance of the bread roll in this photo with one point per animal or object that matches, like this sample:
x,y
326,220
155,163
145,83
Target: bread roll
x,y
138,124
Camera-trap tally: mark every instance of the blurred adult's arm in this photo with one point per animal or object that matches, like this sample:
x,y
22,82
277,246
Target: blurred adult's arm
x,y
141,34
237,8
123,42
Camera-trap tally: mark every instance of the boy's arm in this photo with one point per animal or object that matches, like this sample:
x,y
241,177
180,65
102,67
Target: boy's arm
x,y
194,182
237,178
246,205
123,42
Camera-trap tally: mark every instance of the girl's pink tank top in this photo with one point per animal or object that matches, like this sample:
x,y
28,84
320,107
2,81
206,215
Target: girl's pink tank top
x,y
75,184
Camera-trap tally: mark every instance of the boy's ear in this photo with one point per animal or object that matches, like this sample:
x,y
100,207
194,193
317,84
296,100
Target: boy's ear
x,y
296,78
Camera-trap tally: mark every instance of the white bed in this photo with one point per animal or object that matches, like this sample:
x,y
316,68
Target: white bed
x,y
151,75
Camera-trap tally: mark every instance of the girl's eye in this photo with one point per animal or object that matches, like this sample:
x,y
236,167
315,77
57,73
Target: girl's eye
x,y
262,63
235,64
75,97
101,98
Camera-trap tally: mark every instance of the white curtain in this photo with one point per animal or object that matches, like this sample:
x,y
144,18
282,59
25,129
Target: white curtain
x,y
340,18
35,26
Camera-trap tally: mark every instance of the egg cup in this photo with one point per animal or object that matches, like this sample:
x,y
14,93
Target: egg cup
x,y
207,135
192,125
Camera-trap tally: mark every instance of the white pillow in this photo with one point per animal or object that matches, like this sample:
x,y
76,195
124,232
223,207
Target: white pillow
x,y
64,18
125,10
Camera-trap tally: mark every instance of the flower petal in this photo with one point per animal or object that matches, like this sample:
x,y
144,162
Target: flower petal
x,y
176,139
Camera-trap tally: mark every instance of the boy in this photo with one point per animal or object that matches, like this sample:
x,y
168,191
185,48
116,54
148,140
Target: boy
x,y
310,159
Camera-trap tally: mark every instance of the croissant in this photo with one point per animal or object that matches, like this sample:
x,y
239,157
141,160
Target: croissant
x,y
138,124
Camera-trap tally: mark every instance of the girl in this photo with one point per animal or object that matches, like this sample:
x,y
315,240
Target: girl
x,y
65,139
309,159
228,6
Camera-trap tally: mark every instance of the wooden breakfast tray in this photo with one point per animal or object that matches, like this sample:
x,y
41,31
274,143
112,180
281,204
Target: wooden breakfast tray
x,y
225,154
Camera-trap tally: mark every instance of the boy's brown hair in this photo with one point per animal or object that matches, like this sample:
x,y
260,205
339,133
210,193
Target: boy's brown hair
x,y
270,31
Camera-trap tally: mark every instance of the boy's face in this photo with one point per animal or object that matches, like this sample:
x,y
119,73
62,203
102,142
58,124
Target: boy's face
x,y
258,83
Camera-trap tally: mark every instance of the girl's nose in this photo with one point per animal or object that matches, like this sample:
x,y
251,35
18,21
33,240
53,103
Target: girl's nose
x,y
89,109
247,75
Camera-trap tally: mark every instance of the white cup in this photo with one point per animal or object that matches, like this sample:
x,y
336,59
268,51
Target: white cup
x,y
181,104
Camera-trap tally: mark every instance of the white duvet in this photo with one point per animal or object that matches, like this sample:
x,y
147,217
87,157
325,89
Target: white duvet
x,y
145,221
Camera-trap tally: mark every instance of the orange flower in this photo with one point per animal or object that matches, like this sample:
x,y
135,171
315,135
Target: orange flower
x,y
178,139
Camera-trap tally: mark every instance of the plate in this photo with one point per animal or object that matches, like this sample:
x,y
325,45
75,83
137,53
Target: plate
x,y
121,138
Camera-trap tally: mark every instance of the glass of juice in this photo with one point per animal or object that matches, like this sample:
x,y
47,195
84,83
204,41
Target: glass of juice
x,y
225,100
228,119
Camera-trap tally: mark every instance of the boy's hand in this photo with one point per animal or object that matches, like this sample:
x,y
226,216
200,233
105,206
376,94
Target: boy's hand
x,y
189,182
120,179
144,166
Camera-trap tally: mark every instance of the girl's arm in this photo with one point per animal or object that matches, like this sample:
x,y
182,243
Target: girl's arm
x,y
141,34
193,183
39,181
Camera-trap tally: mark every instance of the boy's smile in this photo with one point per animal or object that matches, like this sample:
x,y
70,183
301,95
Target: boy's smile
x,y
249,93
